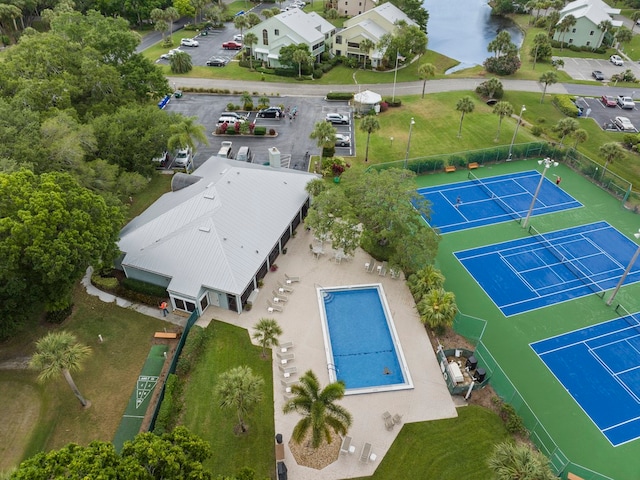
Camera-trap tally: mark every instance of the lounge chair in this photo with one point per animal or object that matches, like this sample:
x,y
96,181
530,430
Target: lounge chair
x,y
388,420
284,288
366,452
280,296
287,371
286,357
346,444
397,418
382,269
370,266
271,307
288,383
285,346
291,280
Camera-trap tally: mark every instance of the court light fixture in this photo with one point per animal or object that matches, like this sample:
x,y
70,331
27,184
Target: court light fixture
x,y
547,163
626,272
406,156
513,139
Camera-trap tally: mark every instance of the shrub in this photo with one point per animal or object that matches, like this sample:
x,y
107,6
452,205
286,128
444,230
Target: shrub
x,y
485,90
260,130
143,287
503,65
286,72
384,106
171,406
231,107
339,96
192,349
393,103
565,104
59,316
537,130
248,107
105,283
317,73
272,131
328,151
512,420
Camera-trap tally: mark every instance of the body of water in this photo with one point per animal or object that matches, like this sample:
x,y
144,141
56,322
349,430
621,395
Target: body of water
x,y
462,29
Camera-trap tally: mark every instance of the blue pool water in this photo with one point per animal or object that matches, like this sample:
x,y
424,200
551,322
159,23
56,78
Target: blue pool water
x,y
362,346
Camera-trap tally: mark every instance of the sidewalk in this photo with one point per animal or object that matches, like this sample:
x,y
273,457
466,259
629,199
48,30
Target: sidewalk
x,y
121,302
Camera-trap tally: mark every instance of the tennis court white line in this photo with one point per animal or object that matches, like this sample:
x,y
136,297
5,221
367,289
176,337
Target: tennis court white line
x,y
516,273
614,375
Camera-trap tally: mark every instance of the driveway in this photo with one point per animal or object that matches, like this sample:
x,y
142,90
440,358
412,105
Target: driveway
x,y
581,68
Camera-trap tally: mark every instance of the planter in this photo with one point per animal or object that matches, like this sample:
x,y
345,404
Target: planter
x,y
336,179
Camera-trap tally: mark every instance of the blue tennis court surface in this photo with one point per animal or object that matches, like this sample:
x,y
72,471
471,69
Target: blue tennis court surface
x,y
492,200
600,368
545,269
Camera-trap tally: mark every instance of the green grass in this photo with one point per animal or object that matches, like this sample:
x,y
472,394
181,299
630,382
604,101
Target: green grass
x,y
230,347
107,378
158,185
444,449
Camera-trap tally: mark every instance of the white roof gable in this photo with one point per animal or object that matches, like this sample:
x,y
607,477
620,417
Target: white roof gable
x,y
595,10
309,27
387,12
217,232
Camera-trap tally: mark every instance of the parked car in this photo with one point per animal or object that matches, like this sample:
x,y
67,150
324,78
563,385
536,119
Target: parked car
x,y
338,119
608,101
217,62
244,154
270,112
624,124
189,42
616,60
598,75
170,53
236,115
238,37
183,157
162,158
232,45
343,140
626,102
226,149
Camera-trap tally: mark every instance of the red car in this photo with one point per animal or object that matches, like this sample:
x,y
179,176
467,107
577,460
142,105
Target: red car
x,y
232,45
608,101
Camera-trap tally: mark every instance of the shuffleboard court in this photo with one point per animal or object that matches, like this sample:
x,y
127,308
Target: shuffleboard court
x,y
545,269
141,396
600,368
487,201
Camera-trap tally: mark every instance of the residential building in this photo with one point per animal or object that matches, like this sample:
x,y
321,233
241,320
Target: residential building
x,y
293,27
216,234
589,14
351,8
370,25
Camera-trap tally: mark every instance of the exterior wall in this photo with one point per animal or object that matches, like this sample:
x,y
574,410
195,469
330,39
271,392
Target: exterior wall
x,y
148,277
351,8
350,39
583,33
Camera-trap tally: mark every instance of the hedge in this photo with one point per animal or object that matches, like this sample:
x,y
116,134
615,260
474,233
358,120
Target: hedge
x,y
339,96
565,104
260,130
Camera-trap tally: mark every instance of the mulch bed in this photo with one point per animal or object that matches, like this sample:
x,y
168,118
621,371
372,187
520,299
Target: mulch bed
x,y
317,458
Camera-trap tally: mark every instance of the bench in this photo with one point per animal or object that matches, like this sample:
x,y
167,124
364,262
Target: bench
x,y
473,165
572,476
450,168
165,335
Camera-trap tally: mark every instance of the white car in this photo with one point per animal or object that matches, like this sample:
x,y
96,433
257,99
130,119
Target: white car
x,y
624,124
342,140
170,53
238,38
616,60
183,157
162,158
189,42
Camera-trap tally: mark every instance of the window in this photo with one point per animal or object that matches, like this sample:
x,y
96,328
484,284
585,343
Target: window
x,y
588,43
184,305
276,32
338,52
339,39
353,44
204,302
265,37
359,4
571,40
591,33
573,31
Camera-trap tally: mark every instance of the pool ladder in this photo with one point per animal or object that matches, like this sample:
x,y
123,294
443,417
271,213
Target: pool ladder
x,y
327,297
332,366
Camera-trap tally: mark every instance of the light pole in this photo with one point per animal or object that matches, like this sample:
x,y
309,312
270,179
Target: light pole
x,y
626,272
548,163
395,76
522,110
406,156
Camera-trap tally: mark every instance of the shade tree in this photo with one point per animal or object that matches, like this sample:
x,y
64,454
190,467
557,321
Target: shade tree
x,y
369,124
239,390
266,334
519,461
547,78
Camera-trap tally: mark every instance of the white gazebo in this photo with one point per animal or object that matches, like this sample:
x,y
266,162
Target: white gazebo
x,y
367,100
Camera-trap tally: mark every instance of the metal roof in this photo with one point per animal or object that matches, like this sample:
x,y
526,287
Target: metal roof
x,y
218,231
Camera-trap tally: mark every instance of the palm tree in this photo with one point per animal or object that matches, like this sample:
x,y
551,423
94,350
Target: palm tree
x,y
464,105
250,39
180,62
567,22
267,13
635,16
186,133
565,127
437,309
300,57
366,46
369,125
518,461
253,19
502,109
266,334
604,27
241,22
612,152
425,71
171,15
60,353
547,78
324,134
159,22
580,136
624,35
241,390
320,413
425,280
553,18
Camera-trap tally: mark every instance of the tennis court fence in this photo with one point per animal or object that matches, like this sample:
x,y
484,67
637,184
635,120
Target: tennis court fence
x,y
507,391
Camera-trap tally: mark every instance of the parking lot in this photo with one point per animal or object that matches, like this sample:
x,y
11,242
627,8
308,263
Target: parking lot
x,y
595,109
581,68
292,135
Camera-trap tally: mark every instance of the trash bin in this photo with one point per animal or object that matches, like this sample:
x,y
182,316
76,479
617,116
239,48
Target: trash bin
x,y
178,94
282,471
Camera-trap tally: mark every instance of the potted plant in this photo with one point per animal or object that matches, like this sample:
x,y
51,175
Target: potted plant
x,y
273,267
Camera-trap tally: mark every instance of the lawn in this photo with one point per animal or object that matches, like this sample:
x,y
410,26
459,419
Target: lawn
x,y
230,347
54,416
444,449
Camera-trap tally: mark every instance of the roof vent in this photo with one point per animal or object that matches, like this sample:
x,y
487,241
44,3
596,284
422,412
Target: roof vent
x,y
224,171
210,195
211,185
205,229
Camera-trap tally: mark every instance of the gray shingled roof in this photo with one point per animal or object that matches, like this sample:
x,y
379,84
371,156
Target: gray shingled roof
x,y
218,231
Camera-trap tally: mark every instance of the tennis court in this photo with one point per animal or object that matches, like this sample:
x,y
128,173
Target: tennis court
x,y
479,202
600,368
545,269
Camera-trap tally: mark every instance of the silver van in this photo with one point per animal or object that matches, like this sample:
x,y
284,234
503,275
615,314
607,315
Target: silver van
x,y
226,150
245,155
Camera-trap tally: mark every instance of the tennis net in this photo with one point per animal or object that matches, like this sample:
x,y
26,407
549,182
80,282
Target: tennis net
x,y
493,196
580,275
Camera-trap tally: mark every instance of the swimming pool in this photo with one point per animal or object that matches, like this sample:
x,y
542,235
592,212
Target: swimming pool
x,y
361,341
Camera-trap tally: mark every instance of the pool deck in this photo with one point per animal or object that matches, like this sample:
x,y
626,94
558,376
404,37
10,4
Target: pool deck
x,y
301,324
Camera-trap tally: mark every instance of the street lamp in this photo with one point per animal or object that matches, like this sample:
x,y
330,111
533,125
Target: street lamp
x,y
406,156
522,110
626,272
548,163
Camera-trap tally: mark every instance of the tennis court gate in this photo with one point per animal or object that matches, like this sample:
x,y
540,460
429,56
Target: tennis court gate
x,y
473,328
